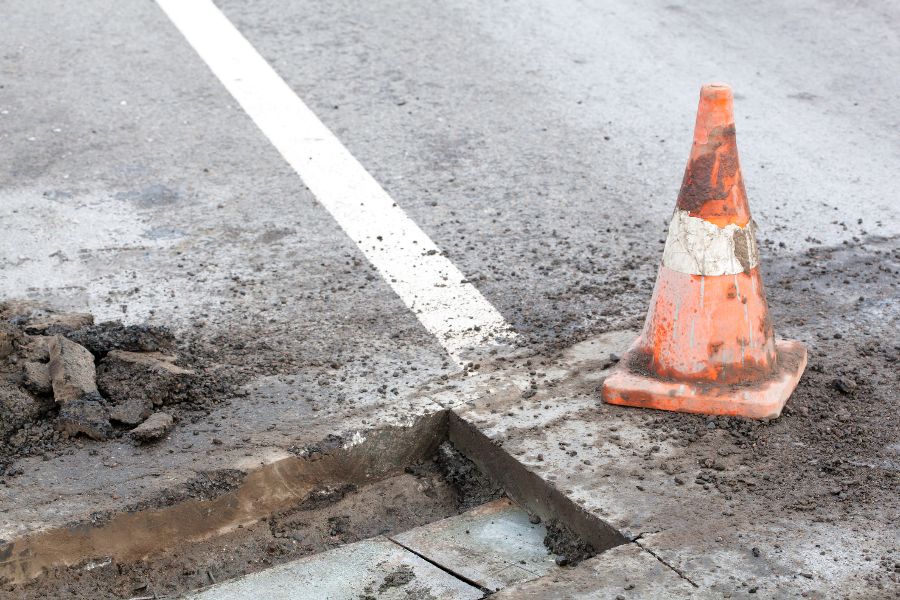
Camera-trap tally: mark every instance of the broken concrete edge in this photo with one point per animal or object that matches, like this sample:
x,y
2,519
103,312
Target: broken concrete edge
x,y
362,457
359,456
72,371
528,489
625,568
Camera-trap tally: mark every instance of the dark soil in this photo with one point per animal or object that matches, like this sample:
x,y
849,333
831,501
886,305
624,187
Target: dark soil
x,y
30,417
473,488
566,545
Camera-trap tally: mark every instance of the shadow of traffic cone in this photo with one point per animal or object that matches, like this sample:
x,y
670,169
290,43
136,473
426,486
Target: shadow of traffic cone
x,y
707,345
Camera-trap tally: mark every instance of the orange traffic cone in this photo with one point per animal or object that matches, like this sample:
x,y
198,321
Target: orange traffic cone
x,y
707,345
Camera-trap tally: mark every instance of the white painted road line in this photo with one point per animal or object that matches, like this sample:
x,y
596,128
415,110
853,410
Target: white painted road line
x,y
427,282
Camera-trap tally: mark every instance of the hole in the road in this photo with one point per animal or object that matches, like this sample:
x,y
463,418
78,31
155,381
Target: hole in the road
x,y
380,483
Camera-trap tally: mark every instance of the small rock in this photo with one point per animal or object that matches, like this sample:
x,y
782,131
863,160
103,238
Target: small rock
x,y
534,519
71,370
562,561
755,551
155,427
87,415
845,385
37,378
529,393
131,411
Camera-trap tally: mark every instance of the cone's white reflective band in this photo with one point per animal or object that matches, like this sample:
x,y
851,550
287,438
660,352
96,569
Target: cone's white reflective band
x,y
698,247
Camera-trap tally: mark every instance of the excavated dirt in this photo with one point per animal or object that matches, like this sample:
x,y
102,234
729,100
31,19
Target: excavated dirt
x,y
568,547
329,516
158,373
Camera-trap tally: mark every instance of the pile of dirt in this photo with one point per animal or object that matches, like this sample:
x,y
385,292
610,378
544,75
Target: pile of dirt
x,y
64,377
472,486
566,545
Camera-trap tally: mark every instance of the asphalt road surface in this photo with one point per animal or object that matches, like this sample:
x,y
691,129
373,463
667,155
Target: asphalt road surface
x,y
540,148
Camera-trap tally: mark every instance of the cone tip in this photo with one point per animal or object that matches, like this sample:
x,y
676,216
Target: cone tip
x,y
716,88
715,110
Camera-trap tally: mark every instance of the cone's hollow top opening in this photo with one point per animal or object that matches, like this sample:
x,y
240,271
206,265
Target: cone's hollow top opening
x,y
716,110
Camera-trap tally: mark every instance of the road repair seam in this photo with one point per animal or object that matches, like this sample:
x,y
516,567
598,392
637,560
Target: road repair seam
x,y
428,283
657,557
443,568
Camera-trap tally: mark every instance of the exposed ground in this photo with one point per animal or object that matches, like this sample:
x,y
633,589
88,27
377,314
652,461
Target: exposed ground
x,y
327,517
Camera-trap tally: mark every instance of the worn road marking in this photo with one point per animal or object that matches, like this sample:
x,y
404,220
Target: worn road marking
x,y
427,282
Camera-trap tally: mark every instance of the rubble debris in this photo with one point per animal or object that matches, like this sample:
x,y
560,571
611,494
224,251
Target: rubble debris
x,y
36,378
53,323
113,335
71,370
88,415
566,545
136,382
155,427
66,376
18,408
474,488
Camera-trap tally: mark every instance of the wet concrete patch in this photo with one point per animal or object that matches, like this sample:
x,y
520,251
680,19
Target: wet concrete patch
x,y
494,545
368,569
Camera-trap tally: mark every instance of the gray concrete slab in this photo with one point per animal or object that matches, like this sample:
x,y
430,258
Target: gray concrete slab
x,y
625,571
494,545
375,568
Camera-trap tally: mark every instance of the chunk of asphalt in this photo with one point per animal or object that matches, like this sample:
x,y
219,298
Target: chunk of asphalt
x,y
72,372
155,427
36,378
135,382
18,408
87,415
52,323
113,335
